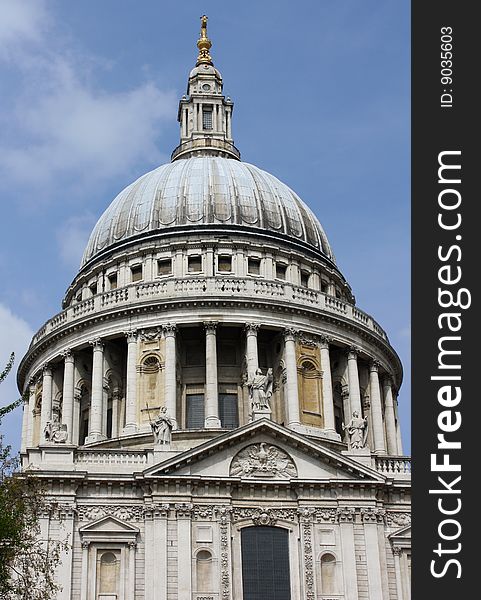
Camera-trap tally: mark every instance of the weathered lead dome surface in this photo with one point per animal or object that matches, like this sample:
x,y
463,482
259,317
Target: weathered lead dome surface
x,y
206,190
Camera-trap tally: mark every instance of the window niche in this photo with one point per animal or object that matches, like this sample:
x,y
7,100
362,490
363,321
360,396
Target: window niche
x,y
112,281
194,263
136,273
164,266
281,271
224,264
253,266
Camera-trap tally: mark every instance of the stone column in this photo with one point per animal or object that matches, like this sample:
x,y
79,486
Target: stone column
x,y
170,378
251,349
131,386
373,558
398,427
327,396
96,400
46,410
391,435
376,409
23,444
68,393
397,568
184,551
115,412
32,386
131,570
211,386
85,571
346,527
293,418
354,390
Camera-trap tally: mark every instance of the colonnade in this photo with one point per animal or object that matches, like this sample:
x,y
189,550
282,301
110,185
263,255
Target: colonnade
x,y
384,420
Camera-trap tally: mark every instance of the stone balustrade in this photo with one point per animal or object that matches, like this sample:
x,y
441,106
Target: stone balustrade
x,y
393,465
111,457
190,287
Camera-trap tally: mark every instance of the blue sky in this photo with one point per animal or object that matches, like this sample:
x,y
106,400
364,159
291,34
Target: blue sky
x,y
88,103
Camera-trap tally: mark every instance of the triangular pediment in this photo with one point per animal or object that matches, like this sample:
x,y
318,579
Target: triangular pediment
x,y
109,524
401,534
264,450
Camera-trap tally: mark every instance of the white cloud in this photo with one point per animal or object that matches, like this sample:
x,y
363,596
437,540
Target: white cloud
x,y
63,131
72,238
21,21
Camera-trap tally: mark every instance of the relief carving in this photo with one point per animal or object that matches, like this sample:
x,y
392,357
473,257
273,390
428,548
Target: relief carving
x,y
261,460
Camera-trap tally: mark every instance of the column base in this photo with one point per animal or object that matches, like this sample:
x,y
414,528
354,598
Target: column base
x,y
95,437
212,423
360,455
261,413
129,430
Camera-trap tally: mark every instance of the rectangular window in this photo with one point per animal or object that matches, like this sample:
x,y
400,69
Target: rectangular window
x,y
227,355
194,264
194,411
93,288
136,273
254,266
304,279
281,270
228,411
78,297
207,118
224,263
112,281
323,286
164,266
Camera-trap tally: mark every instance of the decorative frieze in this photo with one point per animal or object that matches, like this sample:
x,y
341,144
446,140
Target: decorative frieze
x,y
184,510
264,516
124,513
398,519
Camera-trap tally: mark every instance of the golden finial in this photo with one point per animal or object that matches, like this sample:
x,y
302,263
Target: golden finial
x,y
203,43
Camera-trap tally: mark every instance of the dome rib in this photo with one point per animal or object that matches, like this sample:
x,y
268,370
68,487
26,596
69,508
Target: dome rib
x,y
206,190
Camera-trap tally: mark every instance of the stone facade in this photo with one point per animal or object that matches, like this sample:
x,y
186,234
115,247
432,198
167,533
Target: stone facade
x,y
192,318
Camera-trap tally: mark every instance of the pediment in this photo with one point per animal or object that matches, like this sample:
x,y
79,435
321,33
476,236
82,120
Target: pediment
x,y
265,451
109,524
401,534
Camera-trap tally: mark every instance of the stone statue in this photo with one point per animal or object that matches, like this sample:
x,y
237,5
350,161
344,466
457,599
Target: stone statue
x,y
260,390
357,431
162,428
55,432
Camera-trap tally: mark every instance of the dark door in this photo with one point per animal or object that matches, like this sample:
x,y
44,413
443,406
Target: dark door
x,y
265,563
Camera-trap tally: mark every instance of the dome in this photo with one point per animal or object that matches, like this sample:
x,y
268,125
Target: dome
x,y
206,191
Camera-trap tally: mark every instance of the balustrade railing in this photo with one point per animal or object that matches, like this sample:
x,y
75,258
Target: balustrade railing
x,y
393,465
110,457
214,286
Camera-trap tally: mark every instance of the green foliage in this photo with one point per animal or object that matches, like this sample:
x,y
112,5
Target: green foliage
x,y
27,562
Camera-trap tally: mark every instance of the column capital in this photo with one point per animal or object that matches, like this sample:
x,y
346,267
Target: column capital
x,y
131,336
387,381
68,355
97,344
291,334
210,327
251,328
169,329
396,550
324,342
352,352
374,366
47,369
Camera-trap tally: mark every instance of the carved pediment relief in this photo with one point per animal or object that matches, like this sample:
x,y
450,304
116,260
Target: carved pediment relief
x,y
263,460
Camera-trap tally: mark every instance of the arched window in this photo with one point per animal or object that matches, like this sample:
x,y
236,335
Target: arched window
x,y
203,571
265,563
328,573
